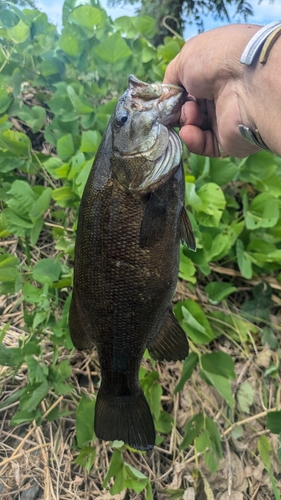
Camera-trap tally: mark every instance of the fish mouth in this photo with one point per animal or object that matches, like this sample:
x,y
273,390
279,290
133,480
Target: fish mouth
x,y
166,98
150,91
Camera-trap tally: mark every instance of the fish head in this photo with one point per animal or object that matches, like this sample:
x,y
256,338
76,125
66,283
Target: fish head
x,y
145,149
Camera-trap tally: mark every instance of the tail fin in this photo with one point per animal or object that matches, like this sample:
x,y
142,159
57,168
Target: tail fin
x,y
126,418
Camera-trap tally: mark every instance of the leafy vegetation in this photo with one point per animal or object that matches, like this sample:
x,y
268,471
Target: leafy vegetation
x,y
172,15
57,92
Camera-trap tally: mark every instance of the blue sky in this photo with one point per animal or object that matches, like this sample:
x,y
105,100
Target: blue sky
x,y
264,12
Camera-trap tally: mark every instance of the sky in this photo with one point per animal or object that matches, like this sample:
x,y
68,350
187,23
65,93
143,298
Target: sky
x,y
264,12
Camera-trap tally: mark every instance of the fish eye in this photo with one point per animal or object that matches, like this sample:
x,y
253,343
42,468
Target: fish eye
x,y
121,120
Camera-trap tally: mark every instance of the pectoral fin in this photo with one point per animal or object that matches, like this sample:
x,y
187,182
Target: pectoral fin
x,y
154,219
171,342
187,234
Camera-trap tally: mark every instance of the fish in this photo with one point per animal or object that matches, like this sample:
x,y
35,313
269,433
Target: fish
x,y
132,218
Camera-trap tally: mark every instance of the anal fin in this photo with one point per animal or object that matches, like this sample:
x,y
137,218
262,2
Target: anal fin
x,y
171,342
186,230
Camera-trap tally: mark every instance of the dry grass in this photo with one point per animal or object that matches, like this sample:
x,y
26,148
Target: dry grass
x,y
36,462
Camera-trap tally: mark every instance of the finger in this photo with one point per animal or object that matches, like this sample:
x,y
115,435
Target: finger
x,y
171,74
192,114
186,116
200,142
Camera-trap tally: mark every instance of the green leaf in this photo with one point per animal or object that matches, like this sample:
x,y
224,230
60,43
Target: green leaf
x,y
6,355
146,25
22,198
264,449
222,171
219,363
245,396
39,116
218,245
169,50
155,399
80,103
8,260
24,416
83,177
273,421
37,395
134,472
222,385
193,321
15,142
47,271
8,274
15,396
210,210
85,421
115,470
187,268
36,230
263,212
164,423
65,147
243,260
86,457
63,196
17,224
134,26
5,100
87,16
259,307
41,205
90,141
187,369
69,42
113,49
19,33
218,291
214,435
192,429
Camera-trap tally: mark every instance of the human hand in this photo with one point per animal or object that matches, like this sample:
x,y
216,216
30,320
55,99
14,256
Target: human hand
x,y
209,68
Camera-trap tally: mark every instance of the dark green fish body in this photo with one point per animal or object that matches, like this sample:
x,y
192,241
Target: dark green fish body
x,y
131,220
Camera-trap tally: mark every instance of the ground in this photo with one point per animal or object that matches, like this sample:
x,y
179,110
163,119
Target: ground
x,y
37,462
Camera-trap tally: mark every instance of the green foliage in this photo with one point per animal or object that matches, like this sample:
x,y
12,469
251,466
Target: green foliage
x,y
126,476
57,93
85,421
205,434
264,449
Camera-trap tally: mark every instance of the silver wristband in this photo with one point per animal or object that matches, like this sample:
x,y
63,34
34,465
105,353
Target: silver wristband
x,y
266,36
253,137
258,47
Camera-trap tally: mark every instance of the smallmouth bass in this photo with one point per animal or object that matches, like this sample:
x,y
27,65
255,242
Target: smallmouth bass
x,y
131,220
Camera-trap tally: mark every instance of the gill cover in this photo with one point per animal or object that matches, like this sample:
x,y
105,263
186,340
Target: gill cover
x,y
145,148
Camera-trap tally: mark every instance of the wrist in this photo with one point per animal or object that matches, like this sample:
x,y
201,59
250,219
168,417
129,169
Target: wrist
x,y
262,104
